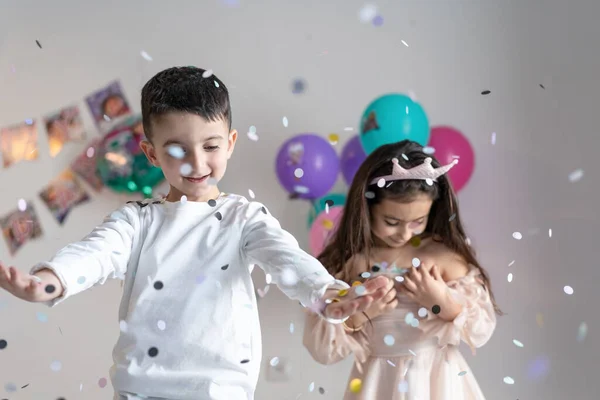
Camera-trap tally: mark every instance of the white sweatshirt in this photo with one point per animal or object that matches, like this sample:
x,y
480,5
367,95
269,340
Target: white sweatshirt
x,y
189,319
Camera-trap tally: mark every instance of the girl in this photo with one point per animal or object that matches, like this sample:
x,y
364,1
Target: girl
x,y
402,220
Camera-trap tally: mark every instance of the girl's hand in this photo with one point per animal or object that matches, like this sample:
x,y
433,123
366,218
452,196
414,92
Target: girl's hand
x,y
425,287
352,302
43,286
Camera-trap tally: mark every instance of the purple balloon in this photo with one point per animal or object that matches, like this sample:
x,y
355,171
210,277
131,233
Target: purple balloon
x,y
353,156
307,166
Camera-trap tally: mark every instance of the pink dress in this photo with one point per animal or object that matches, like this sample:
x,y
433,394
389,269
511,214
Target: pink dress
x,y
397,359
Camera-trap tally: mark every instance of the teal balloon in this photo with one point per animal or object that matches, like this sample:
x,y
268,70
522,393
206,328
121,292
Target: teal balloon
x,y
319,206
392,118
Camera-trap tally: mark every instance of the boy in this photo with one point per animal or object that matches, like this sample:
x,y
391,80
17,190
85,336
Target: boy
x,y
189,323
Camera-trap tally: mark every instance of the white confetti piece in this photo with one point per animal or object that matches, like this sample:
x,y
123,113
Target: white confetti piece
x,y
414,323
408,318
360,290
22,205
370,195
517,235
510,264
429,181
509,277
298,173
416,262
285,122
216,84
56,366
381,183
176,151
549,232
403,387
576,175
123,326
405,156
367,13
252,135
422,312
291,327
183,199
508,380
90,152
162,325
251,193
399,279
568,290
348,129
428,150
391,363
404,43
462,373
268,279
582,332
389,340
365,275
311,387
145,55
494,138
208,73
81,387
274,361
412,352
289,277
41,317
185,169
517,343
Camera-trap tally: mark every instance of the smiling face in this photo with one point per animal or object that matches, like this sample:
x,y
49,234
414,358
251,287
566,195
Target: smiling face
x,y
192,153
394,223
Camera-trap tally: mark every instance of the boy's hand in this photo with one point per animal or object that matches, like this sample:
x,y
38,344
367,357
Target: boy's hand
x,y
352,302
43,286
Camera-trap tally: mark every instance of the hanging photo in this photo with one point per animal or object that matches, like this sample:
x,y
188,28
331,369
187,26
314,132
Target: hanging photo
x,y
19,142
85,165
62,194
19,226
62,127
108,106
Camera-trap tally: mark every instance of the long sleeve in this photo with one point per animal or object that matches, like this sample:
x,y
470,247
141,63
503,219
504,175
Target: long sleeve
x,y
477,320
328,343
102,254
265,243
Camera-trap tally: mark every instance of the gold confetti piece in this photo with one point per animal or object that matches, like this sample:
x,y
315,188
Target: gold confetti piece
x,y
415,241
355,385
328,224
333,138
343,292
539,319
355,283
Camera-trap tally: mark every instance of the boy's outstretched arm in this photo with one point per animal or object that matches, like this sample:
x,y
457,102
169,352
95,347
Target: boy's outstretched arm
x,y
299,275
102,254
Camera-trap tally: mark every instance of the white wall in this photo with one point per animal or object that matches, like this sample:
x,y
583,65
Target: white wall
x,y
457,49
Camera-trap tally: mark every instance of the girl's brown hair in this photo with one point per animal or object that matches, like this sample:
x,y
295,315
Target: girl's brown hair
x,y
353,235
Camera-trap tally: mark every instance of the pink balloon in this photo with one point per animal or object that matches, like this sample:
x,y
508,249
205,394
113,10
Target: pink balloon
x,y
450,144
322,228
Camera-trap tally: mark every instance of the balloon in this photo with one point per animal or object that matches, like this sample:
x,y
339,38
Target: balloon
x,y
322,229
319,206
122,166
353,156
392,118
450,144
307,166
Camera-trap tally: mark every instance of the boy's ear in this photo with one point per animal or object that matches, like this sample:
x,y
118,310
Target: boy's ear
x,y
150,152
233,135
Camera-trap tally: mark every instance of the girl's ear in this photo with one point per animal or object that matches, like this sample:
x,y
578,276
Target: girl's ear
x,y
150,152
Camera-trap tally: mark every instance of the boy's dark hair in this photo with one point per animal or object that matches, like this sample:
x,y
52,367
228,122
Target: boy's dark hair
x,y
184,89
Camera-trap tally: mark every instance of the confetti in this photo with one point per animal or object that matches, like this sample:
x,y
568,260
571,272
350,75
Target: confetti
x,y
429,181
542,86
494,138
391,363
268,279
517,343
161,325
123,326
508,380
485,92
549,232
10,388
568,290
3,344
224,267
176,151
152,352
510,264
40,316
216,84
348,129
415,241
381,183
333,138
416,262
367,13
291,327
378,20
183,199
422,312
263,210
360,290
252,135
298,86
145,56
355,385
404,43
452,217
158,285
218,216
207,74
436,309
90,152
285,122
289,277
517,235
408,318
311,387
251,193
298,173
412,352
22,205
582,333
414,323
185,169
365,275
576,175
370,195
321,390
343,292
274,361
56,366
462,373
389,340
403,387
38,43
399,279
102,382
509,278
